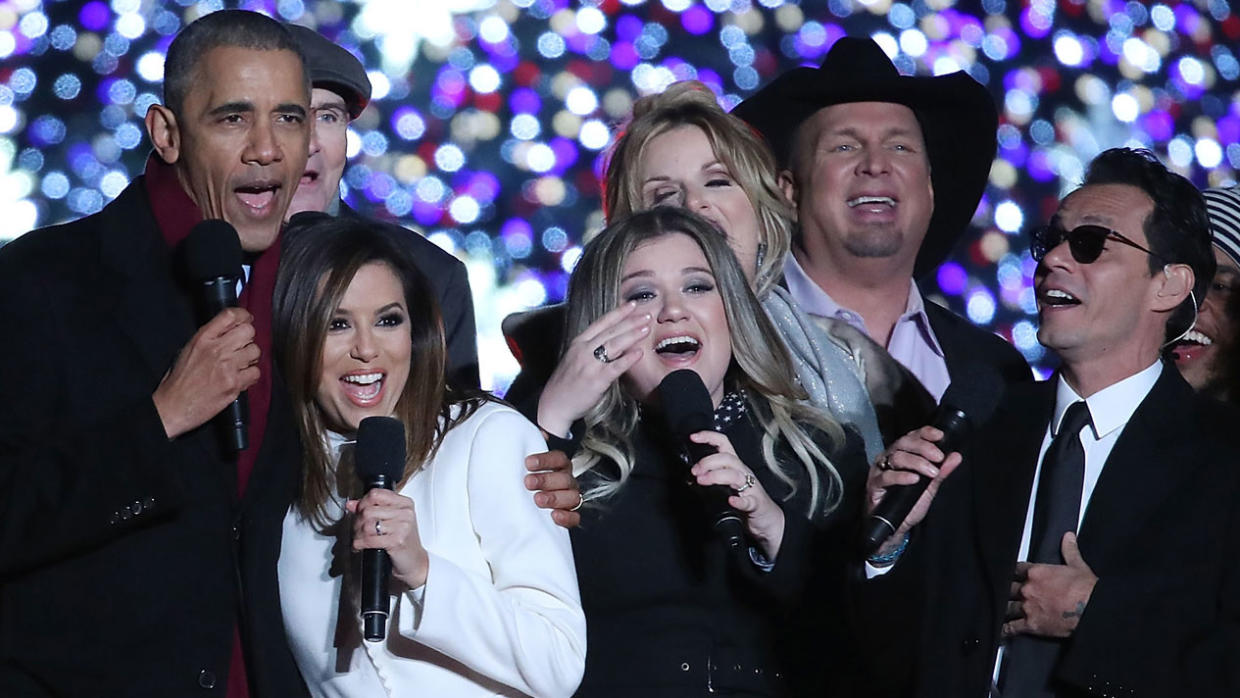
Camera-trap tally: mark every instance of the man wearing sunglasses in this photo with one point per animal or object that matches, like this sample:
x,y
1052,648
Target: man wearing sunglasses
x,y
1116,447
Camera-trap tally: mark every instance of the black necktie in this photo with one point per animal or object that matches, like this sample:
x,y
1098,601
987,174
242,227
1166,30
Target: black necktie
x,y
1056,511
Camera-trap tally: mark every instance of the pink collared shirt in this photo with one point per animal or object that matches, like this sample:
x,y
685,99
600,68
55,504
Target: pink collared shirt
x,y
912,342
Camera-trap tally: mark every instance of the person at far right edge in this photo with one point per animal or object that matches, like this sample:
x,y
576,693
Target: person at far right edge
x,y
1207,357
885,172
1089,542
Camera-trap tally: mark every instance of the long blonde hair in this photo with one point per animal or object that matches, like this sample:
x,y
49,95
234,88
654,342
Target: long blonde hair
x,y
760,363
734,142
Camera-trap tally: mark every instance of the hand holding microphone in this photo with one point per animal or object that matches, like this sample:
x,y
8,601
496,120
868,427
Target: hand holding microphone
x,y
385,529
729,490
902,484
764,520
901,487
220,361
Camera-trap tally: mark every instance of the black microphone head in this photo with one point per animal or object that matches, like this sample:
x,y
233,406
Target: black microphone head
x,y
380,449
212,250
978,395
686,403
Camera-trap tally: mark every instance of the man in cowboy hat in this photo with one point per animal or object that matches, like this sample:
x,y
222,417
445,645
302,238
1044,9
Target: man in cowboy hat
x,y
885,172
1206,355
341,92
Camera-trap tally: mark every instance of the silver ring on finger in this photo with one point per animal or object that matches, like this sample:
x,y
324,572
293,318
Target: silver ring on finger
x,y
581,499
600,353
750,480
885,463
378,527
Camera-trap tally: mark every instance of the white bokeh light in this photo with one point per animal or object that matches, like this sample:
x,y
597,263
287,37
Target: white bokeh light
x,y
1125,107
464,209
1068,50
19,218
130,25
151,66
913,42
1209,153
581,100
591,20
594,134
8,118
540,157
379,84
493,29
1009,217
484,79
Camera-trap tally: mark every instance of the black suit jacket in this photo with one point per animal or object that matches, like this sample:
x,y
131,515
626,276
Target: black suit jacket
x,y
448,277
124,557
1160,532
966,345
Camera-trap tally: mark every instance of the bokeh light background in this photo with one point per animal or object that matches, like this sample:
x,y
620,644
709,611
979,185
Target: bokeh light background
x,y
491,117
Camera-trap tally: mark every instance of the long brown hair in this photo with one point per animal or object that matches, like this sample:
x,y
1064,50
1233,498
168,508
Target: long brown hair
x,y
321,255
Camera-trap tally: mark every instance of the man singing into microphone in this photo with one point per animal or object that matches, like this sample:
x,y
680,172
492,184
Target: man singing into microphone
x,y
117,558
1088,545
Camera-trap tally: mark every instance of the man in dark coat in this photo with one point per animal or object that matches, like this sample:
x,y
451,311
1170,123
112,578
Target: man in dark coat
x,y
127,560
885,173
1088,544
341,90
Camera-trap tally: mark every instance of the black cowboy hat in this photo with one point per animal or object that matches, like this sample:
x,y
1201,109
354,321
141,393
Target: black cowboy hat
x,y
333,68
957,116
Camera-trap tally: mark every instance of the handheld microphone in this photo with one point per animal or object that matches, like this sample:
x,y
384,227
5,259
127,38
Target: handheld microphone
x,y
688,410
213,259
965,405
379,458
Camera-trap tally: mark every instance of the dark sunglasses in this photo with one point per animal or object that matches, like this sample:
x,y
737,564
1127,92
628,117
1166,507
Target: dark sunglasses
x,y
1085,242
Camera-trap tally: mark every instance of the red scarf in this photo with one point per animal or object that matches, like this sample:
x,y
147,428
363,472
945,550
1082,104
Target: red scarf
x,y
176,214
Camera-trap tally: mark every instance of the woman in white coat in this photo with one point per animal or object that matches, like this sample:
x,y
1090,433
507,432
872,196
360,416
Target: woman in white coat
x,y
484,595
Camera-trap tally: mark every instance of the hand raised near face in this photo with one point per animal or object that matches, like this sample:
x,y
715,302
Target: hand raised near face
x,y
219,362
591,363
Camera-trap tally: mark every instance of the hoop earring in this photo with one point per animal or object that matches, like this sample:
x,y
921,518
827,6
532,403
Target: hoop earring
x,y
1191,325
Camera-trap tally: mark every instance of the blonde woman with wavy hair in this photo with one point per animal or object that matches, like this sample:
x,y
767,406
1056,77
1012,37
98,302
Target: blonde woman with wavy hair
x,y
741,154
681,149
761,367
670,612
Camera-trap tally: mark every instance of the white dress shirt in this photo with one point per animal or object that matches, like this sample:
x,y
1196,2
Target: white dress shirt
x,y
1109,411
500,613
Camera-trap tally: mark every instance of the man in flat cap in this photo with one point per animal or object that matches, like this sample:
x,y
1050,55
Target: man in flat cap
x,y
885,172
341,92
